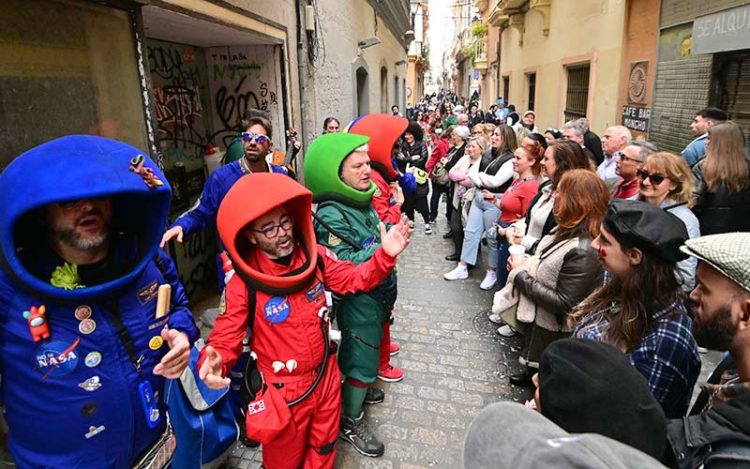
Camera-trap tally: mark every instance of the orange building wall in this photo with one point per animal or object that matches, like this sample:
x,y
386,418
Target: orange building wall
x,y
639,44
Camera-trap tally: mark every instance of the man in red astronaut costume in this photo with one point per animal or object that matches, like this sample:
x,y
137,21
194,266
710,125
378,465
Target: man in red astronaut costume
x,y
266,225
384,132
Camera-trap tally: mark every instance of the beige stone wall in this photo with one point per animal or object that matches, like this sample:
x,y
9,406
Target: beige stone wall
x,y
333,93
581,31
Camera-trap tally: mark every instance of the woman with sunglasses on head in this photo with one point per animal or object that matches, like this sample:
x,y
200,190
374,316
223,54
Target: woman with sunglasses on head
x,y
722,179
552,134
256,143
665,181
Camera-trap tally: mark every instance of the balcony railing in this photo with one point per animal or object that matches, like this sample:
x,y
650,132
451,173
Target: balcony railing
x,y
480,55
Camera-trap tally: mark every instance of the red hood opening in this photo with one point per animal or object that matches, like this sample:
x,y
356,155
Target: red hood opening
x,y
384,131
251,197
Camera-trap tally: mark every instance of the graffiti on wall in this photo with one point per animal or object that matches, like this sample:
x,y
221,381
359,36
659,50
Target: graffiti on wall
x,y
242,77
179,111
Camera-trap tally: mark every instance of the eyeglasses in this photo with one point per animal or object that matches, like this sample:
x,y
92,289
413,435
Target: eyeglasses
x,y
273,230
624,157
259,139
655,178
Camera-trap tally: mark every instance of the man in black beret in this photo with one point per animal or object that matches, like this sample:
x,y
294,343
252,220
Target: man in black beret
x,y
641,310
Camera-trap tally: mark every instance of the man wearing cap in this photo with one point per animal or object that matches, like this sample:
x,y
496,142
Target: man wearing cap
x,y
718,431
271,242
337,171
722,310
84,350
641,310
508,435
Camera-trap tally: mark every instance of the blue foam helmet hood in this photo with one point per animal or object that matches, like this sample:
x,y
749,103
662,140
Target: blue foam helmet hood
x,y
71,168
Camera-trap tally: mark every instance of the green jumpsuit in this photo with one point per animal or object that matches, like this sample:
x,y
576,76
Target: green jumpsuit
x,y
360,316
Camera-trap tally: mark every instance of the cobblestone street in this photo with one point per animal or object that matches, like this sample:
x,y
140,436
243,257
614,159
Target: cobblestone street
x,y
454,365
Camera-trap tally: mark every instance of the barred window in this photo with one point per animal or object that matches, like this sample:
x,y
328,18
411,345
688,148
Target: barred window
x,y
578,91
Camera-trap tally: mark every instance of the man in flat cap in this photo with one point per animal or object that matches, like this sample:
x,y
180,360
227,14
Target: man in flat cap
x,y
641,309
722,311
719,432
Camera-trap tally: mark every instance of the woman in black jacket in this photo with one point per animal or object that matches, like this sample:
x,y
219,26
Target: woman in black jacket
x,y
413,158
560,157
563,271
722,182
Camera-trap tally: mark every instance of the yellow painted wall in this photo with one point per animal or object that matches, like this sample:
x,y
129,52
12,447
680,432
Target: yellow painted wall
x,y
580,31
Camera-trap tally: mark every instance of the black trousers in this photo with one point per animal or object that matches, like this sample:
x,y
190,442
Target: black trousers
x,y
416,201
437,191
457,229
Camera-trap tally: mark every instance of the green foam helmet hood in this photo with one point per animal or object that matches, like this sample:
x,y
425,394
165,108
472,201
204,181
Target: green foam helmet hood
x,y
323,159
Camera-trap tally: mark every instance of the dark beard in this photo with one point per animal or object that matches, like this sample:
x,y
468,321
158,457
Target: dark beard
x,y
717,333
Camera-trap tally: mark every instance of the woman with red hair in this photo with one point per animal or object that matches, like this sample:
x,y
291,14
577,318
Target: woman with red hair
x,y
546,287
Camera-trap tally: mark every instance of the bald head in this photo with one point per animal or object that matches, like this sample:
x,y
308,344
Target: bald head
x,y
615,138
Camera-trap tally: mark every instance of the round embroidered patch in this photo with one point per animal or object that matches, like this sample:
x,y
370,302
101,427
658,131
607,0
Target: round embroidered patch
x,y
57,358
277,309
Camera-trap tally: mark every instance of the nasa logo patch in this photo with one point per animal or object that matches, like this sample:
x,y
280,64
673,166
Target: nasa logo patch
x,y
277,310
57,358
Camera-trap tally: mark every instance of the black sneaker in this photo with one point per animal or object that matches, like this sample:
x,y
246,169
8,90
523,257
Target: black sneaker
x,y
374,395
357,433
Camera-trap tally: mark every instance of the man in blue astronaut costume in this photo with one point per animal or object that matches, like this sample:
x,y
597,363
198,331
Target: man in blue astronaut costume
x,y
83,357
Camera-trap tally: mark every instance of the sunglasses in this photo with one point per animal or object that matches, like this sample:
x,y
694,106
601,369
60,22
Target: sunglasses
x,y
655,178
259,139
627,158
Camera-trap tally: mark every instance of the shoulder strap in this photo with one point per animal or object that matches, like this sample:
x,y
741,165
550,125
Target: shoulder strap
x,y
332,230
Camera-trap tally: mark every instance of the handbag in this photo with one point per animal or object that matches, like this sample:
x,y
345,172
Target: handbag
x,y
440,174
267,416
203,419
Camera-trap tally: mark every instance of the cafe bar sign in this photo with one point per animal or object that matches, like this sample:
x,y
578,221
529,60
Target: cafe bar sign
x,y
636,118
723,31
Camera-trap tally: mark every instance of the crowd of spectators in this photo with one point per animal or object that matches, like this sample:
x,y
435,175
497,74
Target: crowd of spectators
x,y
598,256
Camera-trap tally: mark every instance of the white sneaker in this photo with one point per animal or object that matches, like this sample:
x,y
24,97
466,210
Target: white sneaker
x,y
490,279
427,229
459,273
495,318
506,331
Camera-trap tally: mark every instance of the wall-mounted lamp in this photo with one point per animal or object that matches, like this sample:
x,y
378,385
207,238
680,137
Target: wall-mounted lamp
x,y
369,42
409,36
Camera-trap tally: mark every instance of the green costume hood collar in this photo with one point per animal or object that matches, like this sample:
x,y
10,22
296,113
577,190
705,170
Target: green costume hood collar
x,y
321,168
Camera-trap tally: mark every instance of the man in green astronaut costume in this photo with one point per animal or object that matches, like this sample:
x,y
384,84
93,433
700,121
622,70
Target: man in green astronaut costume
x,y
337,171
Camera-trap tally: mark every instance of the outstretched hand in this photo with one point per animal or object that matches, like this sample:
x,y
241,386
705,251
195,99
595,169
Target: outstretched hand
x,y
395,240
176,360
210,371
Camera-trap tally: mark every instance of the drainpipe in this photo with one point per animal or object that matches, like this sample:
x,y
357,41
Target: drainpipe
x,y
301,79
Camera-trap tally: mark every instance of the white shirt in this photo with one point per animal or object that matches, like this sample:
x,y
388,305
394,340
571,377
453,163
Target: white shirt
x,y
606,170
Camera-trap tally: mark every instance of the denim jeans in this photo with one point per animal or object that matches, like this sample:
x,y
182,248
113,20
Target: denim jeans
x,y
501,248
482,216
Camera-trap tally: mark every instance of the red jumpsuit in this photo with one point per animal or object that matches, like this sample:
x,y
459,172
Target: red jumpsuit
x,y
383,200
288,328
388,211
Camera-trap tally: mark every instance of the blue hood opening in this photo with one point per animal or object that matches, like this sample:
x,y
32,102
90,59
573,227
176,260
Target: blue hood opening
x,y
71,168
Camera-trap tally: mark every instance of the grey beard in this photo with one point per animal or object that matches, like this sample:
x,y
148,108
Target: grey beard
x,y
76,241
